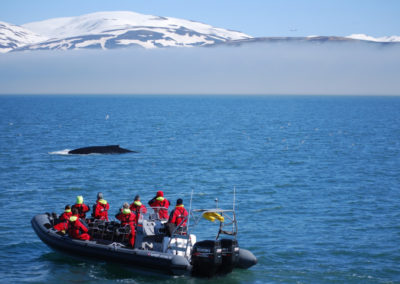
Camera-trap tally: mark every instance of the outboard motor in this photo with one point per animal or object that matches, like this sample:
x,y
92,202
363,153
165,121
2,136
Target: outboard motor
x,y
230,255
206,258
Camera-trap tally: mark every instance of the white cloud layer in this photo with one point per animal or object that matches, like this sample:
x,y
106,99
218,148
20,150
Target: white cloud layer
x,y
346,68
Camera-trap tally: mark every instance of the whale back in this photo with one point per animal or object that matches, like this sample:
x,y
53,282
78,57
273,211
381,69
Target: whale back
x,y
110,149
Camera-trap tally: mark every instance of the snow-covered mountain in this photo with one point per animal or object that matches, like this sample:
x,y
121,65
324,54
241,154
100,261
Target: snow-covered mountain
x,y
308,40
376,39
12,37
108,30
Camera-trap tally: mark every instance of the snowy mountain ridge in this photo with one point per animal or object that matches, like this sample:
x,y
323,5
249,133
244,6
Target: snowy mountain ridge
x,y
376,39
12,37
109,30
103,22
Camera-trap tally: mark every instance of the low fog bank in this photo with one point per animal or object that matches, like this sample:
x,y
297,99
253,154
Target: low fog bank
x,y
358,69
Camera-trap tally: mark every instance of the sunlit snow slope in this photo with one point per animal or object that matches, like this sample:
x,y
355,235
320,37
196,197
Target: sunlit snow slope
x,y
376,39
109,30
118,29
12,36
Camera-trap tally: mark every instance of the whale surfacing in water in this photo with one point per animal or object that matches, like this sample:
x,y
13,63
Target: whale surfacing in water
x,y
110,149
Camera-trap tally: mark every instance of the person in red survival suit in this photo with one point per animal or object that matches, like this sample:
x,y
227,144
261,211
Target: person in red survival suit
x,y
62,226
82,207
67,213
76,229
178,217
138,208
160,201
100,208
128,218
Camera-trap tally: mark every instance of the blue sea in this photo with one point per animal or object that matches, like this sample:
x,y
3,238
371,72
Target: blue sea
x,y
316,179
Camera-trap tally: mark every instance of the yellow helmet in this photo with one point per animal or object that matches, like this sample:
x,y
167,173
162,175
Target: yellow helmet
x,y
79,199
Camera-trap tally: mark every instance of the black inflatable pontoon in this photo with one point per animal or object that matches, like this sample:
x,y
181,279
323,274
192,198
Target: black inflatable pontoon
x,y
163,262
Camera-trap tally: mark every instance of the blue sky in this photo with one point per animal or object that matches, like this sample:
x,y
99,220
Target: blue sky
x,y
254,17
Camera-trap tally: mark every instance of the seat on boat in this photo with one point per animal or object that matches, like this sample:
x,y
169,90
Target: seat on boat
x,y
122,234
150,235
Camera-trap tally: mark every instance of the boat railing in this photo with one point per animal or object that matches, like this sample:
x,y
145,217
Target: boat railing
x,y
108,231
227,226
112,231
153,215
181,232
227,220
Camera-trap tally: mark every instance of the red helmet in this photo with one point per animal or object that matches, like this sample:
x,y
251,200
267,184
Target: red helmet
x,y
160,193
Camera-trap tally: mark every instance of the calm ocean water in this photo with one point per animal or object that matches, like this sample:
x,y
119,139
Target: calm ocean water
x,y
317,179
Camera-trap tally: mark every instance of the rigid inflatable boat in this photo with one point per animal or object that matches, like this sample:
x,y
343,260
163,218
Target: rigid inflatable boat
x,y
177,254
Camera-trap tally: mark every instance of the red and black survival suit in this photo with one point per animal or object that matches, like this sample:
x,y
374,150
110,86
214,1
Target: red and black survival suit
x,y
128,218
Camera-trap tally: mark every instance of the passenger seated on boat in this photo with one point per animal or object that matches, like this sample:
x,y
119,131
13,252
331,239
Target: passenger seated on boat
x,y
160,205
177,218
128,218
100,208
66,214
138,208
76,229
62,226
82,208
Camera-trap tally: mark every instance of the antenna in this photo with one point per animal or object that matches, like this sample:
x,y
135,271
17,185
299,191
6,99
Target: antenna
x,y
188,222
190,209
216,203
234,197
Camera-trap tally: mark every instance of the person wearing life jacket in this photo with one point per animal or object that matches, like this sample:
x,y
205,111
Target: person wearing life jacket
x,y
160,205
82,207
62,226
100,208
66,214
76,229
178,217
138,208
127,217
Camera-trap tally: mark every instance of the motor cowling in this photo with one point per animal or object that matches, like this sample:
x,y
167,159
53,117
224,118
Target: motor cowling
x,y
230,255
206,258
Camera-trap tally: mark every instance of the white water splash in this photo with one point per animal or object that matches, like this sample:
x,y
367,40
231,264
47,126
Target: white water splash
x,y
61,152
